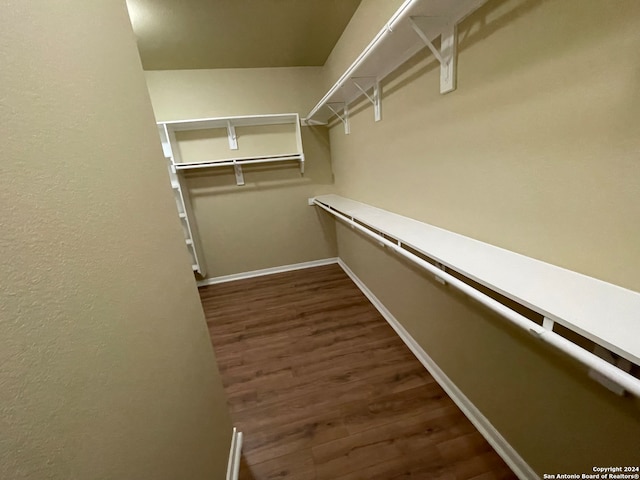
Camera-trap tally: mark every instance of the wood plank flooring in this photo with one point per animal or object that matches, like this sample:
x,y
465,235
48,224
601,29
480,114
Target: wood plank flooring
x,y
323,388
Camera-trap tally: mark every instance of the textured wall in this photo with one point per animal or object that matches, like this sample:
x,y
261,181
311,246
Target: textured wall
x,y
365,24
537,152
267,222
106,370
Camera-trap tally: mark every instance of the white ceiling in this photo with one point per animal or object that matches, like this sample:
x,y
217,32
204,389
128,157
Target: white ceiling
x,y
190,34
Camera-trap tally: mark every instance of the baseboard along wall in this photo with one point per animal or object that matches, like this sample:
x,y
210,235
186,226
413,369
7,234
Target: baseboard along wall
x,y
266,271
486,429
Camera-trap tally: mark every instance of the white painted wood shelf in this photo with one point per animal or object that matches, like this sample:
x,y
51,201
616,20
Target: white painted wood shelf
x,y
223,127
607,314
414,26
168,131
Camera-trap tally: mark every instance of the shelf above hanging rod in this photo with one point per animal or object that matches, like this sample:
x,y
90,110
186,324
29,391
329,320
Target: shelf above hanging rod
x,y
604,313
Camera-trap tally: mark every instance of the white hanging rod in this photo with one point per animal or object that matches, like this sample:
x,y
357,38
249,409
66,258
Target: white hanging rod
x,y
625,380
232,162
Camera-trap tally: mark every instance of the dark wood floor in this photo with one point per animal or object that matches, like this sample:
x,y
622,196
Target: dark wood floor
x,y
323,388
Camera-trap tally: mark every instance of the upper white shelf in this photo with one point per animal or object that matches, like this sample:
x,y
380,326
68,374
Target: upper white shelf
x,y
413,27
607,314
238,121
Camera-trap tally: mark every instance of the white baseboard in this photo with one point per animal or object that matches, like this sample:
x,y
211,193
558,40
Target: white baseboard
x,y
488,431
235,453
266,271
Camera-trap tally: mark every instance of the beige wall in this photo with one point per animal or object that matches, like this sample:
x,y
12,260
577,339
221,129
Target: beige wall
x,y
365,24
537,152
267,222
106,370
537,149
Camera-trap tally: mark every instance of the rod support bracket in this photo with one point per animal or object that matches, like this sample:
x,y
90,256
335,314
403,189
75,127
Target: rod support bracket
x,y
237,169
548,323
231,135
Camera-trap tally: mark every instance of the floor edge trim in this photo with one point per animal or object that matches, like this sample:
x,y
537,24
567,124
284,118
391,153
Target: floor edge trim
x,y
511,457
266,271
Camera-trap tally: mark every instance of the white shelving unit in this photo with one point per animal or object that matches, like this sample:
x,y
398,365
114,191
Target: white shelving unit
x,y
414,26
217,155
604,313
183,205
230,125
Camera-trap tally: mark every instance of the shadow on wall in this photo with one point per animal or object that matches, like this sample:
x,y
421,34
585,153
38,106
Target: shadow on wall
x,y
480,25
496,15
553,38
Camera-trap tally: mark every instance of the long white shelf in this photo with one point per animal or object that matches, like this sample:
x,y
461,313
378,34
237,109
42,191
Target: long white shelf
x,y
607,314
236,121
413,27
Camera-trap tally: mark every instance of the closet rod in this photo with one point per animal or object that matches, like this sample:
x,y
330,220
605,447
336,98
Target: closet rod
x,y
227,163
625,380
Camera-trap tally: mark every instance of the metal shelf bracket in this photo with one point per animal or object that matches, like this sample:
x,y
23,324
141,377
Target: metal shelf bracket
x,y
448,45
374,98
344,118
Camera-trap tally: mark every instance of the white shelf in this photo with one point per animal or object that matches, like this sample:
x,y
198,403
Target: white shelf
x,y
413,27
173,154
607,314
237,121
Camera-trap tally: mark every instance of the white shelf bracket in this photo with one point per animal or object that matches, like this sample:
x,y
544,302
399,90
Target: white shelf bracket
x,y
344,118
448,47
374,98
231,134
548,323
237,169
302,165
